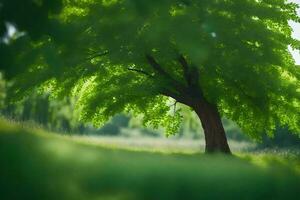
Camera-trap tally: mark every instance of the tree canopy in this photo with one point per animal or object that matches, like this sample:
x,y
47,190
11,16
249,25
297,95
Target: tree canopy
x,y
133,55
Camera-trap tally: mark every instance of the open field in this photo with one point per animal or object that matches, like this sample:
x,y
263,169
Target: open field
x,y
40,165
158,144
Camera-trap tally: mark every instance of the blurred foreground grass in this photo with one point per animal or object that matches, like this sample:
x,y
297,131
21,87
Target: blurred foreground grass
x,y
39,165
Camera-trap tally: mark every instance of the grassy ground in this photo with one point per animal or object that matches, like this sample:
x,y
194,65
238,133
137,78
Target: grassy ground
x,y
39,165
158,144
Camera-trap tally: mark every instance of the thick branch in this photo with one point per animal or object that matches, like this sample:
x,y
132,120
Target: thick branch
x,y
191,75
181,98
176,89
186,70
171,82
157,67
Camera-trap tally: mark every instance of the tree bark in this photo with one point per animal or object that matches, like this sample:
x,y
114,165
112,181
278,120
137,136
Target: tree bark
x,y
191,94
215,137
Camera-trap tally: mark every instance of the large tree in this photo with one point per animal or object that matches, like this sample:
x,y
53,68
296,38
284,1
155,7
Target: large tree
x,y
221,58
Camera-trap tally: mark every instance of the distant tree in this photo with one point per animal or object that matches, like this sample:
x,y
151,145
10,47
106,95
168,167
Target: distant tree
x,y
282,139
220,58
2,91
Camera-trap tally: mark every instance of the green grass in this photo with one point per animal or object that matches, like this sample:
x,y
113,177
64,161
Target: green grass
x,y
39,165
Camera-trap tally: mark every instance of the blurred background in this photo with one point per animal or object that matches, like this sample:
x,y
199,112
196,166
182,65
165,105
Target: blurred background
x,y
62,117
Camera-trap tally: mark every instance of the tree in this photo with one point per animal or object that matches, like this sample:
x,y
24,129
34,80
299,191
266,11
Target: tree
x,y
220,58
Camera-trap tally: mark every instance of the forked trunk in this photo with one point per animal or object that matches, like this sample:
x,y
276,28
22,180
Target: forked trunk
x,y
214,132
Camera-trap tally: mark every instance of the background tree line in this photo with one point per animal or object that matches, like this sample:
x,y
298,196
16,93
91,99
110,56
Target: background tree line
x,y
61,116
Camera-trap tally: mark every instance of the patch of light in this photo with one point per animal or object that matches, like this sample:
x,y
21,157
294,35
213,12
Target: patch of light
x,y
213,34
11,33
11,29
296,55
296,34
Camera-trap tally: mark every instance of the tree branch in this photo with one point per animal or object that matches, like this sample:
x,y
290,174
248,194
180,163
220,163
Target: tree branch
x,y
174,106
157,67
166,76
184,99
141,72
96,54
174,88
191,75
186,70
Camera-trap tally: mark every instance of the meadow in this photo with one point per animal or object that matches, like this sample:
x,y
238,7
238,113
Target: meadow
x,y
90,89
36,164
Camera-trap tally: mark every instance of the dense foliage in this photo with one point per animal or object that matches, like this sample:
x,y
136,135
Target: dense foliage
x,y
101,52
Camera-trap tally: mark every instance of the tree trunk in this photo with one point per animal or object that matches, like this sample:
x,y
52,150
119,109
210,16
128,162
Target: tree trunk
x,y
215,137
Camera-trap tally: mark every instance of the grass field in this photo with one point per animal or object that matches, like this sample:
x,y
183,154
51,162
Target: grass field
x,y
38,165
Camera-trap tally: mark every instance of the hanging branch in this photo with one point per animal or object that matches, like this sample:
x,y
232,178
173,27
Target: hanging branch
x,y
174,106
